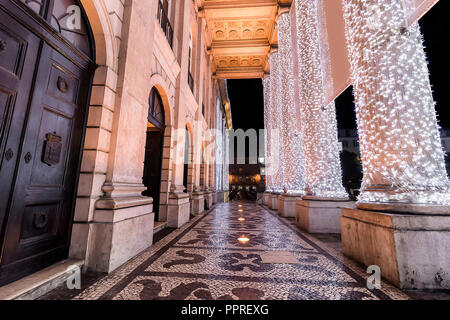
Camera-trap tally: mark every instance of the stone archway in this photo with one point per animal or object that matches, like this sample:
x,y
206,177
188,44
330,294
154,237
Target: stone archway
x,y
157,82
100,124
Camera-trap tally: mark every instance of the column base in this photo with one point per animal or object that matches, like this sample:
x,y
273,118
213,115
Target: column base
x,y
320,216
411,250
220,197
208,199
273,202
286,204
198,202
178,211
266,198
226,196
214,197
121,229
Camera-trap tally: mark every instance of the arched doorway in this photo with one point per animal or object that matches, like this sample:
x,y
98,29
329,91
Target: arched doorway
x,y
46,69
154,150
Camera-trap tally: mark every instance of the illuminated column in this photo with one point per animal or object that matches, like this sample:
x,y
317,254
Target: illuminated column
x,y
401,151
226,161
275,157
267,127
402,156
267,138
323,175
291,138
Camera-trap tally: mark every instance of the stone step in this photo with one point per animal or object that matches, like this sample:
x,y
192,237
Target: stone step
x,y
158,226
41,282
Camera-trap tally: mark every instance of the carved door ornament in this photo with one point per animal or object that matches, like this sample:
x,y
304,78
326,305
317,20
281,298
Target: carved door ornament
x,y
2,45
52,149
63,85
28,157
40,220
9,154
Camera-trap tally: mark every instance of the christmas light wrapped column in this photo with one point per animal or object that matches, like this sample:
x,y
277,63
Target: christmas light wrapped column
x,y
291,137
267,136
275,158
401,151
320,210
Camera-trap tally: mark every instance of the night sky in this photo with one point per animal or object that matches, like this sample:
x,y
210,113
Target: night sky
x,y
246,96
247,103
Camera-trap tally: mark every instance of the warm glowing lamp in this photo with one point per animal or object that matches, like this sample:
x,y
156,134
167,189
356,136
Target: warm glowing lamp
x,y
243,239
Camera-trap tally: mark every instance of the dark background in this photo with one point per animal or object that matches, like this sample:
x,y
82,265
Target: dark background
x,y
247,103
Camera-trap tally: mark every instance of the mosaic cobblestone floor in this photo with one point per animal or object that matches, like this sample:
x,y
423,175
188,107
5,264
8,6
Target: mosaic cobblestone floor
x,y
205,260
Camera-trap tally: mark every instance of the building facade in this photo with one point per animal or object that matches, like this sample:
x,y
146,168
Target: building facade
x,y
118,88
112,111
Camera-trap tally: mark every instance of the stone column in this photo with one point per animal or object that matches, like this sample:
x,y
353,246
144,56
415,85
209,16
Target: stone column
x,y
292,181
226,165
321,209
178,208
122,210
274,160
401,151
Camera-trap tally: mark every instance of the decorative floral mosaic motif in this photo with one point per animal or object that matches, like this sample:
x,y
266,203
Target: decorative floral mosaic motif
x,y
208,260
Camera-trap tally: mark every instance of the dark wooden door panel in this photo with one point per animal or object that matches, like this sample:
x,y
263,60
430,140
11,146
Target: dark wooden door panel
x,y
17,65
43,195
44,87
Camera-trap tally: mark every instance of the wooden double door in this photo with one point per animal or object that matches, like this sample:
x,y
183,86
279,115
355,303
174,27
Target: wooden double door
x,y
44,87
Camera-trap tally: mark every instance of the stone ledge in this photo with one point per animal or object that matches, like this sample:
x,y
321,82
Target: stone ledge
x,y
41,282
326,204
120,203
178,195
406,208
121,214
402,222
412,251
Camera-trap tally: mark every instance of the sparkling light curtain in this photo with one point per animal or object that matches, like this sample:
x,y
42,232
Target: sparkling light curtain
x,y
401,150
291,137
267,128
276,158
323,175
219,148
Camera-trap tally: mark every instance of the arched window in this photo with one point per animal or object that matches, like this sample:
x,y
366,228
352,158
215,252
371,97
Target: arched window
x,y
156,110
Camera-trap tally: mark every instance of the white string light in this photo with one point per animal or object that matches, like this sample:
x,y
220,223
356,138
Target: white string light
x,y
219,140
401,151
267,126
323,175
276,168
292,180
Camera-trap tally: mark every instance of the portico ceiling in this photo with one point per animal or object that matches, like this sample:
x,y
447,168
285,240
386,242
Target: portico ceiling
x,y
240,35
